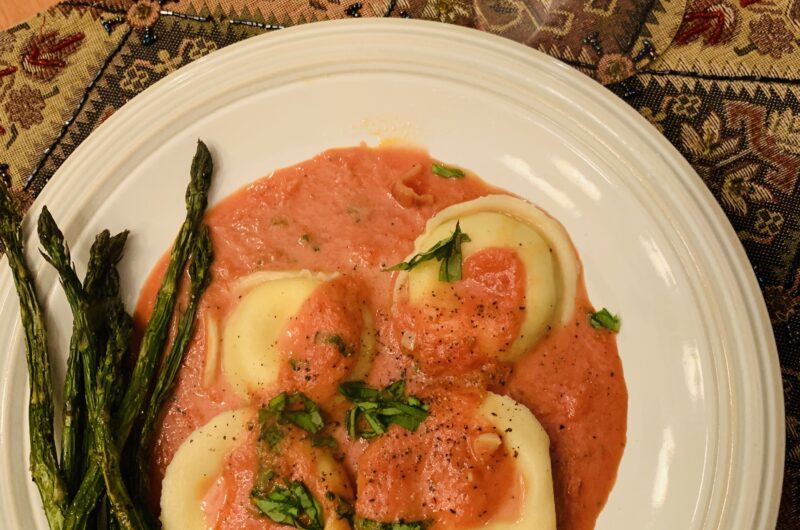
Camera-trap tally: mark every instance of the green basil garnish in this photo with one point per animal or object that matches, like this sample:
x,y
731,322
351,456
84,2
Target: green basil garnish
x,y
447,251
291,504
336,341
369,524
604,319
448,172
374,410
298,409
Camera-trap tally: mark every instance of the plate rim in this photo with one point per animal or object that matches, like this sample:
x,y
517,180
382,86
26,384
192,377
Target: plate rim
x,y
703,201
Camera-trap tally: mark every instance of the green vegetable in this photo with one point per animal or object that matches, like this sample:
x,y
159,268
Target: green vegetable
x,y
447,251
43,461
101,287
126,514
154,338
110,522
298,409
73,445
604,319
369,524
448,172
264,482
270,433
291,504
97,391
346,350
324,441
200,276
116,322
101,275
381,408
155,334
344,510
108,314
73,456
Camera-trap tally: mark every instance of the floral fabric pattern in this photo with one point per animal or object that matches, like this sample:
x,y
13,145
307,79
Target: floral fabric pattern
x,y
771,37
24,106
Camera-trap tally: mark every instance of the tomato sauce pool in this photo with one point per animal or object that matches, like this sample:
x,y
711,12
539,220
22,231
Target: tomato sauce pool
x,y
357,211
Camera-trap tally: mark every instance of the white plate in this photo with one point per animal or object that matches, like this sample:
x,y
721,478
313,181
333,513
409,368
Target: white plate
x,y
705,420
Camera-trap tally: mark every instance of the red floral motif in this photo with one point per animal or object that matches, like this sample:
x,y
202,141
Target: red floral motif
x,y
25,106
770,36
44,54
783,168
715,20
6,71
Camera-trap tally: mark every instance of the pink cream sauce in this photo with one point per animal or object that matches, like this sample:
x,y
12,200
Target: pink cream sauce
x,y
356,211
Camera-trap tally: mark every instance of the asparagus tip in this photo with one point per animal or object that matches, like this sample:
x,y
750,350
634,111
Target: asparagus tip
x,y
49,234
8,211
202,165
117,245
98,248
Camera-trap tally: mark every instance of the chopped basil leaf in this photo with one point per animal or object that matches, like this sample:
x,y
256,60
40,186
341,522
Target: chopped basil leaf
x,y
604,319
298,409
264,482
344,510
380,408
291,504
336,341
284,408
324,441
359,391
270,433
265,479
448,172
369,524
447,251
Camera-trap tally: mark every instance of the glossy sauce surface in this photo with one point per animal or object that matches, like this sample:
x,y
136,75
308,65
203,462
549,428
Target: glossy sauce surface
x,y
357,211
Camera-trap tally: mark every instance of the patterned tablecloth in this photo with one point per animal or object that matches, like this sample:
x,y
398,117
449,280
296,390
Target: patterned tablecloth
x,y
719,78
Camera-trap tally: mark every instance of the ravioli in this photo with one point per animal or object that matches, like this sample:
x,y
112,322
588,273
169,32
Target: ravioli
x,y
477,462
310,329
196,465
524,437
206,474
505,234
